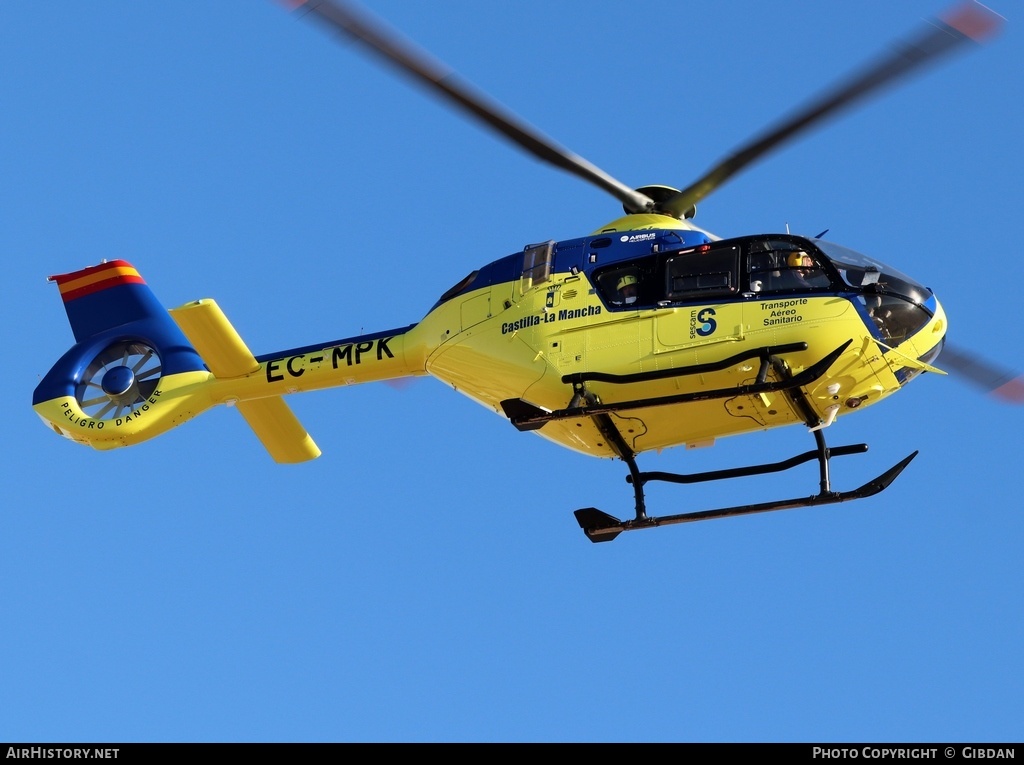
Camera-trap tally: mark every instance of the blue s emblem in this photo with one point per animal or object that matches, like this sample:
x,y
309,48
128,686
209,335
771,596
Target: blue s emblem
x,y
707,324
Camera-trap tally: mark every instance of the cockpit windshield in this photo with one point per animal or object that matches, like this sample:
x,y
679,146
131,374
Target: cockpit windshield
x,y
860,271
898,306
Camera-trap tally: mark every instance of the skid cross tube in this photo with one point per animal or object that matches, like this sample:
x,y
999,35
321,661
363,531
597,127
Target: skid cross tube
x,y
526,416
771,467
765,354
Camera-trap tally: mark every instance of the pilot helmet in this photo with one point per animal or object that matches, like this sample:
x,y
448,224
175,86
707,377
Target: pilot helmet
x,y
625,281
795,259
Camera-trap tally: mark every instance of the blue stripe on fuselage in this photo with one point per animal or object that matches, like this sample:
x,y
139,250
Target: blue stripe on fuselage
x,y
583,254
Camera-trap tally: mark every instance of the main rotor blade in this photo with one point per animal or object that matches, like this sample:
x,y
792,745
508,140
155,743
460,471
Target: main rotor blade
x,y
343,18
1005,385
969,21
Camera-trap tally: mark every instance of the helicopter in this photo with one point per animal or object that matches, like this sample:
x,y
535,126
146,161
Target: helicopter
x,y
647,333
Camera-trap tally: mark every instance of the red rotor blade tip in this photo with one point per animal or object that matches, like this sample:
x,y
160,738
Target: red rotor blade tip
x,y
973,20
1011,392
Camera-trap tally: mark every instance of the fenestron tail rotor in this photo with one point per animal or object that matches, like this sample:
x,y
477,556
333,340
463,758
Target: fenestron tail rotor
x,y
119,380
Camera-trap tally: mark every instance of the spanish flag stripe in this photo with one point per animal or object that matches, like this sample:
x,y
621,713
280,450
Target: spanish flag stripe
x,y
96,278
87,277
98,285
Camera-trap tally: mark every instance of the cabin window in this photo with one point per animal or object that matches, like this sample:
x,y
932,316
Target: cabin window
x,y
701,273
777,267
624,287
462,286
691,275
537,263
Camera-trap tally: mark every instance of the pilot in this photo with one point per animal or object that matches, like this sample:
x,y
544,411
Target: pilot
x,y
804,271
801,260
626,290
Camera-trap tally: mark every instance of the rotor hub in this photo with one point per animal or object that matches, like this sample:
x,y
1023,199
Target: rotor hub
x,y
119,383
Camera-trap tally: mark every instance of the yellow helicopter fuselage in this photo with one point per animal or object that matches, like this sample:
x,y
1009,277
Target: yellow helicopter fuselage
x,y
518,341
683,366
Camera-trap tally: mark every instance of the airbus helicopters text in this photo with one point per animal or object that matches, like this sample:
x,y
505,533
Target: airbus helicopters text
x,y
648,332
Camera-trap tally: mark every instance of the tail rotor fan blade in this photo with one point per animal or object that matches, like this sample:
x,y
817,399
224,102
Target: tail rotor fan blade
x,y
120,378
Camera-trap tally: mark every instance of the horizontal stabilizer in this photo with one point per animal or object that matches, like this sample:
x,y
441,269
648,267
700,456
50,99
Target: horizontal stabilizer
x,y
210,333
227,356
279,430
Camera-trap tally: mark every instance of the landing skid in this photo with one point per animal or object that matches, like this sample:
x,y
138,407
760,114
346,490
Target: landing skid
x,y
602,527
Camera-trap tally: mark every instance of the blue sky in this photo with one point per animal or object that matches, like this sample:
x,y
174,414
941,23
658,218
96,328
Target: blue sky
x,y
424,580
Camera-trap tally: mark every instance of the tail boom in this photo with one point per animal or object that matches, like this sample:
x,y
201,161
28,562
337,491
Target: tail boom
x,y
137,370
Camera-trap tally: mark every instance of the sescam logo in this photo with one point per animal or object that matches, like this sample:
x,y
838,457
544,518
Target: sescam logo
x,y
701,322
637,237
